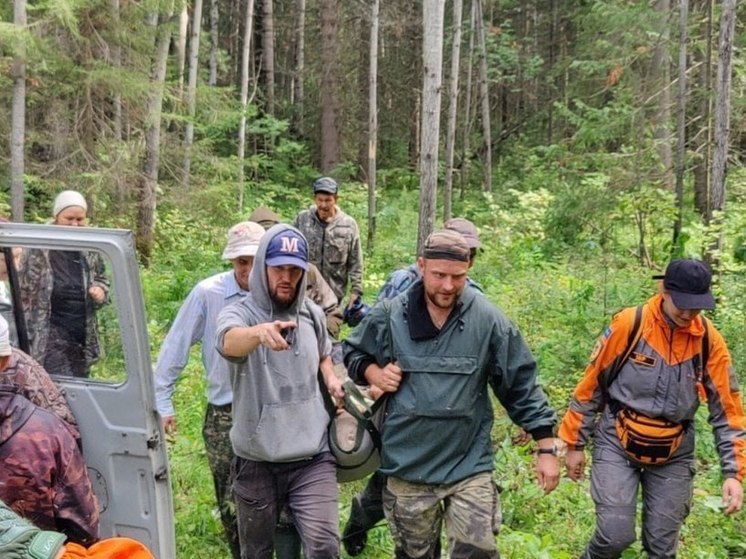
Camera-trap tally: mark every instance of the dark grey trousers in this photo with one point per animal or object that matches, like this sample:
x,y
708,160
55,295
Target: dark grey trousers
x,y
666,500
307,487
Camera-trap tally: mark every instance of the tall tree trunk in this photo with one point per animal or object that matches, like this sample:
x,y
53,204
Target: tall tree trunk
x,y
681,120
329,97
116,60
484,94
372,121
18,116
465,151
245,60
181,43
212,79
268,54
721,122
660,70
149,178
297,93
432,62
452,108
120,183
191,93
552,61
704,137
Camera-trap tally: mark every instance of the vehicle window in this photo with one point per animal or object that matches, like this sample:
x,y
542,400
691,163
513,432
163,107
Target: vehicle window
x,y
68,320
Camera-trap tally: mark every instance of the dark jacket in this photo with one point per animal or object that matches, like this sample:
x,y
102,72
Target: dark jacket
x,y
32,381
43,475
335,249
437,426
37,283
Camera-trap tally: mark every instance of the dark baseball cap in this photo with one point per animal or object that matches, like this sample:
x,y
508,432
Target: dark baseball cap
x,y
288,248
688,282
326,185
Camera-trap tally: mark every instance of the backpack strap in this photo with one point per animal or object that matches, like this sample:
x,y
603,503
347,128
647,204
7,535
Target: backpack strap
x,y
704,354
634,336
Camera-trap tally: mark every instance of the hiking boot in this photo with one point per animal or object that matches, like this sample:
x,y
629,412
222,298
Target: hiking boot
x,y
355,536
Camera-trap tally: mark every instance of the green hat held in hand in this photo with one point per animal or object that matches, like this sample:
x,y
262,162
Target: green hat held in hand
x,y
19,539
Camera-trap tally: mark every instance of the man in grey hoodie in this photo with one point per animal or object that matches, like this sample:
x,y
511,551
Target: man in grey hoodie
x,y
278,341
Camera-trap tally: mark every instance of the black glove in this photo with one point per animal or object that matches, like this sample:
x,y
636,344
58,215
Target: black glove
x,y
19,539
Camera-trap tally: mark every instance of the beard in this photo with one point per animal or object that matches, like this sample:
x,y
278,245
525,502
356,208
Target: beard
x,y
281,299
443,301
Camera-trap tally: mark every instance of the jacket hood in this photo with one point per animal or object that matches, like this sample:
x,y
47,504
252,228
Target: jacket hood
x,y
259,286
15,411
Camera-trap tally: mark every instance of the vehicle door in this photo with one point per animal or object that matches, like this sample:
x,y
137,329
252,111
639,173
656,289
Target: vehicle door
x,y
122,438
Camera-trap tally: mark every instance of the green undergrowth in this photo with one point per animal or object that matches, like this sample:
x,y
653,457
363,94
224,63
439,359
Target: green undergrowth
x,y
561,296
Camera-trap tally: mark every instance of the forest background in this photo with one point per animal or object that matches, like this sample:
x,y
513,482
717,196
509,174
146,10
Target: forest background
x,y
589,140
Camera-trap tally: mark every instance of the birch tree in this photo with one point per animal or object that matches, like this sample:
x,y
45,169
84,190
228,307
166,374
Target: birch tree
x,y
452,108
660,70
328,95
721,123
681,119
18,116
703,139
297,90
212,79
244,100
181,43
149,178
432,62
372,121
484,95
467,98
268,54
191,92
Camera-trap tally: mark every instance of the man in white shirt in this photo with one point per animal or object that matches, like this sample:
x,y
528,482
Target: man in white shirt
x,y
195,322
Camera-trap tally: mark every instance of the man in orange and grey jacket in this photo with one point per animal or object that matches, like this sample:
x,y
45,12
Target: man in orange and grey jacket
x,y
658,379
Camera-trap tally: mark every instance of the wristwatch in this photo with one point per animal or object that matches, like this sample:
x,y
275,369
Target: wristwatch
x,y
554,451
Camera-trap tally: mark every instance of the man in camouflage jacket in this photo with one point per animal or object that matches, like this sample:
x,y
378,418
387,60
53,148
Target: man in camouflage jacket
x,y
333,241
44,477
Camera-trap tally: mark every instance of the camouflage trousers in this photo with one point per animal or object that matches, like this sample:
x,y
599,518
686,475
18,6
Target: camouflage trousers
x,y
469,508
216,434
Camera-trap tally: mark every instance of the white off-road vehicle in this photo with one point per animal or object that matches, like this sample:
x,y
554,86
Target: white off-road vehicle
x,y
122,437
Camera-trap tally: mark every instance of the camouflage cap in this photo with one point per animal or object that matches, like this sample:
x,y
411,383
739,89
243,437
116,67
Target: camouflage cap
x,y
467,229
265,217
446,244
327,185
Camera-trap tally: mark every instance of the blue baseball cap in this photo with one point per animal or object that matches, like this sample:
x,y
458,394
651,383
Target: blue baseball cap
x,y
288,248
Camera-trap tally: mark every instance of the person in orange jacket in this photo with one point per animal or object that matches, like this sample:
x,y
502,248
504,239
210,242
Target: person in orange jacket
x,y
22,540
646,389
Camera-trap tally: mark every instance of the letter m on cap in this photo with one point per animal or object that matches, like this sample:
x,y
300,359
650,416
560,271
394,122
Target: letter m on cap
x,y
289,244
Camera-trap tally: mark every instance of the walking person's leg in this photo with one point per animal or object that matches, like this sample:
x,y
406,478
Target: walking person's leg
x,y
667,498
216,434
313,498
256,507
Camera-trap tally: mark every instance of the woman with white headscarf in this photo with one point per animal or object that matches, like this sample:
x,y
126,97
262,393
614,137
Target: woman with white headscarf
x,y
61,292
